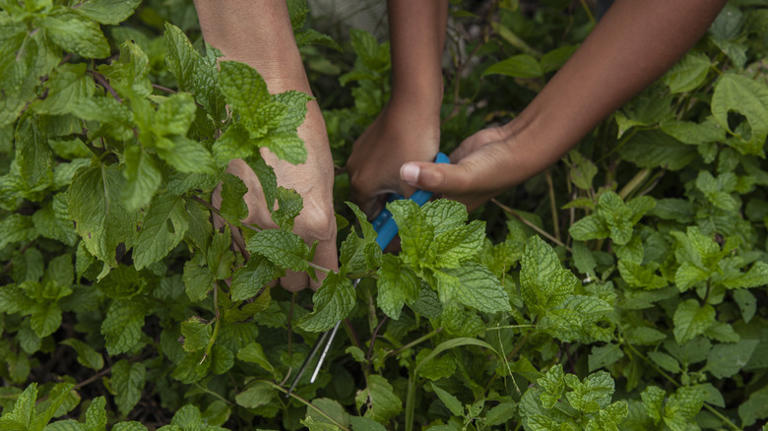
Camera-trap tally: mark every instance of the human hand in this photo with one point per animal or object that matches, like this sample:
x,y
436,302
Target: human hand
x,y
481,167
399,134
313,180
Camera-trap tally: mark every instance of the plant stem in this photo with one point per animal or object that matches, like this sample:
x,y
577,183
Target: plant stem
x,y
553,203
634,183
306,403
539,230
373,339
415,342
102,80
93,378
588,11
161,88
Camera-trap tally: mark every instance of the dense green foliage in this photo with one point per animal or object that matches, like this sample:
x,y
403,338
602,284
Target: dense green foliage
x,y
627,290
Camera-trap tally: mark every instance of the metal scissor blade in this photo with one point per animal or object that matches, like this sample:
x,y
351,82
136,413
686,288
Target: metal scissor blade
x,y
306,362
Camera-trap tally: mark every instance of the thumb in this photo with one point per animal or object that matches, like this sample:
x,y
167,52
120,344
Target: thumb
x,y
436,177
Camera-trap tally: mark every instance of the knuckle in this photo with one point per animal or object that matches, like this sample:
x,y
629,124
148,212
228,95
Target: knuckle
x,y
317,225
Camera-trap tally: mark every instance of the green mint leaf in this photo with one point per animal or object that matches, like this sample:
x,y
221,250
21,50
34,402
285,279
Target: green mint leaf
x,y
253,277
76,34
694,133
129,74
67,87
128,381
108,11
683,406
688,74
381,399
452,403
644,335
16,228
665,361
754,408
198,279
643,276
334,300
96,415
182,57
592,394
501,413
253,352
101,219
163,229
196,333
517,66
725,360
603,356
220,256
544,283
129,426
473,285
122,326
747,303
259,394
233,207
717,190
186,155
691,320
734,92
582,170
756,276
397,284
284,249
553,384
174,115
45,319
653,148
286,146
444,214
589,227
86,355
142,176
435,368
653,401
289,205
452,247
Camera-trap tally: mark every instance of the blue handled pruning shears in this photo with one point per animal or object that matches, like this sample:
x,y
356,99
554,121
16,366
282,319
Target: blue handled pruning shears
x,y
386,228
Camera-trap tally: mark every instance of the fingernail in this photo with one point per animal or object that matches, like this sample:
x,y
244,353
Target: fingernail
x,y
409,172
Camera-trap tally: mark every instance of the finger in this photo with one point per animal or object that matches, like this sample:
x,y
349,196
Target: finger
x,y
438,178
475,141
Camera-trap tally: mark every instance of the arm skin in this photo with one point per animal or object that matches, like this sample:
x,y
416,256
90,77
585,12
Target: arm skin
x,y
260,34
408,127
634,43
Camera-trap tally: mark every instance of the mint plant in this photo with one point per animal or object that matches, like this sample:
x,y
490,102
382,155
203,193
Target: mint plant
x,y
623,289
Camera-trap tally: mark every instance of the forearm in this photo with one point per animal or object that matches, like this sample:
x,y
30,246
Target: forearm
x,y
635,43
258,33
417,37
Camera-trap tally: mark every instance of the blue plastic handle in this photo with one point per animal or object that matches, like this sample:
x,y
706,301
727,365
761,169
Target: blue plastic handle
x,y
385,225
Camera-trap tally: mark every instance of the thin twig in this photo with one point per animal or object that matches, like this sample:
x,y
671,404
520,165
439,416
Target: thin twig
x,y
415,342
539,230
373,338
161,88
93,378
102,80
553,203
